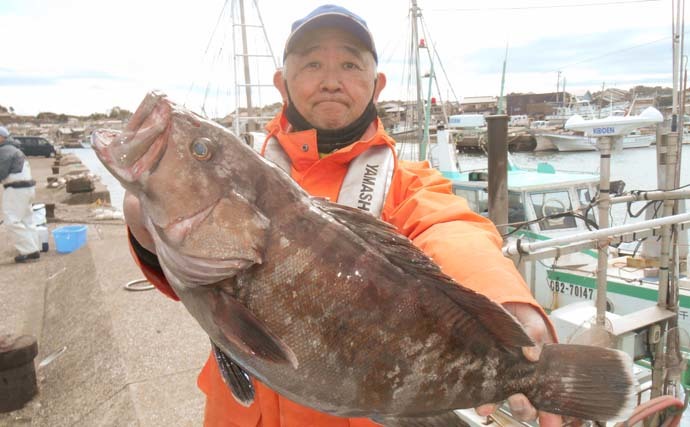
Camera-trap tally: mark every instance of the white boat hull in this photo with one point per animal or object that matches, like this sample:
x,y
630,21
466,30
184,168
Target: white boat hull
x,y
638,141
544,143
623,297
573,143
559,142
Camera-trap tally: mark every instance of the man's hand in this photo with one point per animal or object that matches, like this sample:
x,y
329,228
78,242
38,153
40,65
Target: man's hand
x,y
131,208
536,328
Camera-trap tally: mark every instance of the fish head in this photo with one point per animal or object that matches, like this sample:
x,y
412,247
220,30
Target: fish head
x,y
166,151
185,171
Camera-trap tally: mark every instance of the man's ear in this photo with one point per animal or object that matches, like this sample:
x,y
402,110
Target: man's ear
x,y
380,84
279,83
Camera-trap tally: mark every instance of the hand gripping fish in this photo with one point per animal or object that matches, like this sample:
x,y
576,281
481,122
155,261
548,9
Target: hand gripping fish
x,y
325,304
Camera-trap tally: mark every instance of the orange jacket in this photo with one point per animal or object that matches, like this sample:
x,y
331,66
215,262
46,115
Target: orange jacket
x,y
420,204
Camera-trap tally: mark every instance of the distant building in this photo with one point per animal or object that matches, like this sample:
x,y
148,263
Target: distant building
x,y
535,105
479,104
613,95
642,103
70,136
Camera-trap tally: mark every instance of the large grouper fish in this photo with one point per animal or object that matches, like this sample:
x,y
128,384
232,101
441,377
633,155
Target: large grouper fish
x,y
325,304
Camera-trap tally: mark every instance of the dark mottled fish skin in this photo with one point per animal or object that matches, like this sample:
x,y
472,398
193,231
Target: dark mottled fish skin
x,y
325,304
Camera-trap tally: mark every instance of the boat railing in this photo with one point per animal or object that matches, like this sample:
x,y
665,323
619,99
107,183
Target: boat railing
x,y
521,250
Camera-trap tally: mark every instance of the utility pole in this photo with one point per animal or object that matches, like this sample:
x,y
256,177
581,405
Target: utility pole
x,y
558,86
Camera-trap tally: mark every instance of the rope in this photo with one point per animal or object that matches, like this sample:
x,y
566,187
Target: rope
x,y
655,406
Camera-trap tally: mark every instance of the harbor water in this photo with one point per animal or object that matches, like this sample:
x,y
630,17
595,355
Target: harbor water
x,y
89,159
635,166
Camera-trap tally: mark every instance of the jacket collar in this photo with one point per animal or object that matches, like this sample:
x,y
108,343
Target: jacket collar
x,y
302,149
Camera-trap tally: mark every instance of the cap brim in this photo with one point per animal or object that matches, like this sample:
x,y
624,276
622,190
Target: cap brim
x,y
337,20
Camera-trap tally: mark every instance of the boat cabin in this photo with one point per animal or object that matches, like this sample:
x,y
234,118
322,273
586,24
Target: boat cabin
x,y
537,197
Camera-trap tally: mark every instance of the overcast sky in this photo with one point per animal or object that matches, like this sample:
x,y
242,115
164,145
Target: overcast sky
x,y
85,56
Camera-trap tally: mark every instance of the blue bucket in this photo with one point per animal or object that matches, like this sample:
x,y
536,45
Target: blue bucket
x,y
69,238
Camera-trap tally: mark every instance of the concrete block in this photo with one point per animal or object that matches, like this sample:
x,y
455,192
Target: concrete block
x,y
17,372
80,184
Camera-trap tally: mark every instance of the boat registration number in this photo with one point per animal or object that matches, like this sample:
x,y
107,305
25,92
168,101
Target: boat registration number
x,y
577,291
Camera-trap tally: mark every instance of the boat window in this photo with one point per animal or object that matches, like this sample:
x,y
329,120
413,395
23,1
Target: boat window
x,y
585,199
516,210
476,199
551,203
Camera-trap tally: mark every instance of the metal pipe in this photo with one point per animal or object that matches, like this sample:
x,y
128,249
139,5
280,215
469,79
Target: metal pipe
x,y
604,146
247,75
236,117
414,13
497,132
263,28
559,251
519,247
652,195
664,257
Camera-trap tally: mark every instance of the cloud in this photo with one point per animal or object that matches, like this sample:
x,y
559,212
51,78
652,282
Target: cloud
x,y
10,77
84,56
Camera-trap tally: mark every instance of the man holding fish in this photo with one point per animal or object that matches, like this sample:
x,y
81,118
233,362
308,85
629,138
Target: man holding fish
x,y
330,141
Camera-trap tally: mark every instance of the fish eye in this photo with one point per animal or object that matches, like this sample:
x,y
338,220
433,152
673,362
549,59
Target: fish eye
x,y
201,148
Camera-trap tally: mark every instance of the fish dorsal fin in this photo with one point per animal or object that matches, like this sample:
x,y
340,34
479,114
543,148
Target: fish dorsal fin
x,y
401,252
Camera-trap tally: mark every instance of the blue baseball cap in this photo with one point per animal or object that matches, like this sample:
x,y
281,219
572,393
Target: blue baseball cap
x,y
4,132
330,15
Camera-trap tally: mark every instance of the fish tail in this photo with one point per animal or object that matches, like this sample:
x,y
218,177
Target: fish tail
x,y
586,382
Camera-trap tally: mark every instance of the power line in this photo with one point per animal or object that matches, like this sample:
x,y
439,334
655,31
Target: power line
x,y
614,52
551,6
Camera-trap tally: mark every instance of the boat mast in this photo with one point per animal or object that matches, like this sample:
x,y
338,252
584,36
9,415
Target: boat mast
x,y
664,381
245,60
415,12
260,59
501,109
558,87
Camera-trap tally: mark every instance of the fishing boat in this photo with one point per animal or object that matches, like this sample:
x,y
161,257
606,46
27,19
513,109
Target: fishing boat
x,y
545,205
564,142
639,140
572,142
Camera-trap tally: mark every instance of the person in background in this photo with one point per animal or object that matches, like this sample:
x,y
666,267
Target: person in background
x,y
17,199
329,138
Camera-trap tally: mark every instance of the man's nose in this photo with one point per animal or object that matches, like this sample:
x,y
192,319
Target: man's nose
x,y
331,80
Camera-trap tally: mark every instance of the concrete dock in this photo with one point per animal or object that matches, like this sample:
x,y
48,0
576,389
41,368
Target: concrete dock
x,y
112,357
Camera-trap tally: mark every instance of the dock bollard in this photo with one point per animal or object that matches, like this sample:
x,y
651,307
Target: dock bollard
x,y
17,371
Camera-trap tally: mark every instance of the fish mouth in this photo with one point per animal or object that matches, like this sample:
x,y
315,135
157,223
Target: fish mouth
x,y
136,151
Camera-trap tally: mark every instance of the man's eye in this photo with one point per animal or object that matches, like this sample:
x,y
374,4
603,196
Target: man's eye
x,y
313,65
350,66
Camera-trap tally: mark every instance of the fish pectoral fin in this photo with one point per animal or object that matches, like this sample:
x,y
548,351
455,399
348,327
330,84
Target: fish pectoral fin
x,y
249,334
445,419
238,381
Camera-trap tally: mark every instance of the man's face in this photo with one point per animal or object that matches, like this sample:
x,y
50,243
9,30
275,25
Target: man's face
x,y
331,78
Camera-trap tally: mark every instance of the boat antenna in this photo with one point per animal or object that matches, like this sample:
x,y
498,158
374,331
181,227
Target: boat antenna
x,y
501,99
